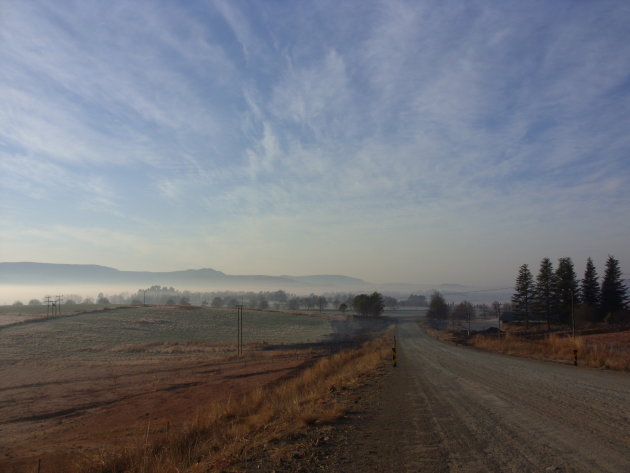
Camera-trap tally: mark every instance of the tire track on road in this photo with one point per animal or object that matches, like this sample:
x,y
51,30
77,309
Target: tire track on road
x,y
454,409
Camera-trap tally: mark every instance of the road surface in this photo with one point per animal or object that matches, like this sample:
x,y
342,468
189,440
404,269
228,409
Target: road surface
x,y
455,409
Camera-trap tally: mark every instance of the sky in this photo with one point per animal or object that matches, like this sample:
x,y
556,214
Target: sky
x,y
393,141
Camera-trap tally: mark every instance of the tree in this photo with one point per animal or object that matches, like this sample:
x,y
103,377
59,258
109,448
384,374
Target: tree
x,y
567,293
524,289
217,301
415,301
390,301
278,296
17,304
589,292
614,292
262,303
34,302
368,305
438,308
545,291
322,302
463,311
496,307
101,299
343,307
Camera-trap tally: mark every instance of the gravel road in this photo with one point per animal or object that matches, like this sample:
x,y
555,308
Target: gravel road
x,y
455,409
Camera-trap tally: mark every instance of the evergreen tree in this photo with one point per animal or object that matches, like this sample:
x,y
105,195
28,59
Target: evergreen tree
x,y
524,289
614,292
545,292
589,287
566,289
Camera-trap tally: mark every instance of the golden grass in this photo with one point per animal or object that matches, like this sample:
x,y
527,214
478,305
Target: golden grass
x,y
226,432
554,347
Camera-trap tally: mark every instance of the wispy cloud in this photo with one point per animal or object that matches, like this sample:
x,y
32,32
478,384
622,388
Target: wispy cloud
x,y
429,116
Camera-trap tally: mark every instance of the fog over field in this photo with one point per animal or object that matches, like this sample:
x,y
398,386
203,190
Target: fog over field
x,y
26,281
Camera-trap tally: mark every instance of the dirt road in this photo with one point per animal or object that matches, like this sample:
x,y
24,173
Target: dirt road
x,y
454,409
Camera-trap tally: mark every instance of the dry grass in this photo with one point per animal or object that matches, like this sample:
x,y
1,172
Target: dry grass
x,y
554,347
226,432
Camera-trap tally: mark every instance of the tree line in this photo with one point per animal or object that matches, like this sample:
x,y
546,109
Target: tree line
x,y
363,304
556,296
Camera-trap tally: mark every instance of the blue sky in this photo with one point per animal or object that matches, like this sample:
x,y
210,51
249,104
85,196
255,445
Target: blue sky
x,y
420,142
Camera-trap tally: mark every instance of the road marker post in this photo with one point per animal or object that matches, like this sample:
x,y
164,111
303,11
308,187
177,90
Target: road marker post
x,y
394,353
575,357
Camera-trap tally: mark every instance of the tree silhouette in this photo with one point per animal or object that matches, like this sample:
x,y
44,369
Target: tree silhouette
x,y
545,291
566,289
614,292
523,295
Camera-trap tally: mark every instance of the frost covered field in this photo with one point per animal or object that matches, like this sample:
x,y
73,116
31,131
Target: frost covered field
x,y
139,329
71,384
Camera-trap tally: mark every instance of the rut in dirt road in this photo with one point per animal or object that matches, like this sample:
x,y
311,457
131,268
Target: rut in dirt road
x,y
455,409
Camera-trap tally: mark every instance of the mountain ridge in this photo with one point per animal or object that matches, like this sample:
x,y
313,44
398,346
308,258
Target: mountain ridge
x,y
27,272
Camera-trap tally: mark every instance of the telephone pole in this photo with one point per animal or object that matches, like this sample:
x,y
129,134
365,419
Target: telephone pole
x,y
48,301
239,323
59,301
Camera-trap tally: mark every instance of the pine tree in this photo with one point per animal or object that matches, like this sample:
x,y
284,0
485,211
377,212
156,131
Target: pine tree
x,y
589,287
545,291
614,292
566,289
524,289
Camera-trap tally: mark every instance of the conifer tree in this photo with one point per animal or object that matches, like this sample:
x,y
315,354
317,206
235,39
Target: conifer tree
x,y
589,287
614,292
566,289
545,292
523,295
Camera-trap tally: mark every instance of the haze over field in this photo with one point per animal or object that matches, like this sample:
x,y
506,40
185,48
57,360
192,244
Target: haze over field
x,y
419,142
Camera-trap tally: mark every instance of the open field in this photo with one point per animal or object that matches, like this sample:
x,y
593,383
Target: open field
x,y
608,350
10,314
77,384
273,427
123,331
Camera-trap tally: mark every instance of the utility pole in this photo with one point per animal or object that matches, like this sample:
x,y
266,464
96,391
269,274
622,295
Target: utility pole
x,y
59,301
468,314
239,323
572,314
48,306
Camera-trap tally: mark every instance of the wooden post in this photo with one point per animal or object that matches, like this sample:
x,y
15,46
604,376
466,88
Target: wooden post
x,y
394,356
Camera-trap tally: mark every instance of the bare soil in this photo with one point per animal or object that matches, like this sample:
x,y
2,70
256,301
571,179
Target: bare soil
x,y
61,411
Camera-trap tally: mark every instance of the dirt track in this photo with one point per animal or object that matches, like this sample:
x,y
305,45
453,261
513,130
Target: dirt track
x,y
454,409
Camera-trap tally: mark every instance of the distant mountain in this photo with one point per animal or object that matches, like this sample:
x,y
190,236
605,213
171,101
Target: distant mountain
x,y
103,278
327,280
84,274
